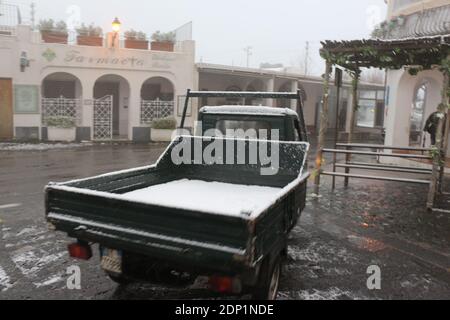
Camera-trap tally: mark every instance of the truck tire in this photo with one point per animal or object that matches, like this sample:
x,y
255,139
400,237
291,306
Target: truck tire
x,y
119,279
269,281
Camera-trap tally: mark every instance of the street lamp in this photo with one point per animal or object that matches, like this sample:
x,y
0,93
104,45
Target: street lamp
x,y
116,25
116,29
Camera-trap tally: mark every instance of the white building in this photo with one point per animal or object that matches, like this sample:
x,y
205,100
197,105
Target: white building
x,y
113,93
411,99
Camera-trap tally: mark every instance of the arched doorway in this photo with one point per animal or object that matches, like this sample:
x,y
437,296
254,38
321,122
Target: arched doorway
x,y
233,101
284,103
157,99
256,85
61,84
118,89
61,97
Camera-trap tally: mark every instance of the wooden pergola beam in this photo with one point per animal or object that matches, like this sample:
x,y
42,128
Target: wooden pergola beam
x,y
386,48
387,54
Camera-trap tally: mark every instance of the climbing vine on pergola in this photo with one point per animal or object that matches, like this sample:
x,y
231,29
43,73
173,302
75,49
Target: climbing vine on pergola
x,y
415,55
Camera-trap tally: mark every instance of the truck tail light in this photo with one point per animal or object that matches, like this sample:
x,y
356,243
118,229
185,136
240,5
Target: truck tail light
x,y
80,250
225,284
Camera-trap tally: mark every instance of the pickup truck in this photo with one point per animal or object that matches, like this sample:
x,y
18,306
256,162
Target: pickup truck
x,y
187,217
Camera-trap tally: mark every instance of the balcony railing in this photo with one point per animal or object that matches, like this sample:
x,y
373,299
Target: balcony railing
x,y
71,37
7,30
10,17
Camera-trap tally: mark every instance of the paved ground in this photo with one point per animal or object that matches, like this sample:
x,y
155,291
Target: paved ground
x,y
339,236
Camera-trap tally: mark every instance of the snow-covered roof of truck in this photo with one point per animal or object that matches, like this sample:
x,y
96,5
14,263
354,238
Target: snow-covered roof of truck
x,y
249,110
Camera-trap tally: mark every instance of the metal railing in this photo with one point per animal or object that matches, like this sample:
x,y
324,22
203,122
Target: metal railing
x,y
61,107
355,149
103,118
156,109
7,30
10,17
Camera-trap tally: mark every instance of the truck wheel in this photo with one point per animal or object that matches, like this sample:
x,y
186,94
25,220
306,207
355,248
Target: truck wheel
x,y
119,279
270,280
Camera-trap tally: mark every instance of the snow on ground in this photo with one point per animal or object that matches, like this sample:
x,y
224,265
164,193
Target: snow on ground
x,y
30,260
36,254
215,197
49,281
332,293
4,280
39,146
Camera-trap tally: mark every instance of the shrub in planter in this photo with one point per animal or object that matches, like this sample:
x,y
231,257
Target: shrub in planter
x,y
162,129
163,41
90,36
136,40
53,33
61,129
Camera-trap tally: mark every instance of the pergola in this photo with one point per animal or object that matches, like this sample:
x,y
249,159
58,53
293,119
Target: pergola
x,y
414,54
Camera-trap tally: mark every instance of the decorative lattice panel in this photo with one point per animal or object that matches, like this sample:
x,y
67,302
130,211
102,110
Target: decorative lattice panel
x,y
61,107
155,109
103,116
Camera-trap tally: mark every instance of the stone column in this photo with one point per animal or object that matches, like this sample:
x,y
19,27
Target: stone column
x,y
294,88
86,130
135,131
270,87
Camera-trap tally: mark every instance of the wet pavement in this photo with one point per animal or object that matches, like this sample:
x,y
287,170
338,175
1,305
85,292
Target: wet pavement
x,y
339,236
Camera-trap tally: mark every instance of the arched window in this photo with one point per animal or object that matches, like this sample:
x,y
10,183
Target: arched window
x,y
417,114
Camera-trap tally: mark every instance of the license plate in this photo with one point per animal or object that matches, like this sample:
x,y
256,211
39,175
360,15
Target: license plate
x,y
111,260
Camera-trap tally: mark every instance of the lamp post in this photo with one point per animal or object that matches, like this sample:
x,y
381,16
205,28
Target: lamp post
x,y
116,29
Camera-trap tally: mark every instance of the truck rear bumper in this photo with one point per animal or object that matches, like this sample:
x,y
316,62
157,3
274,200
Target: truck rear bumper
x,y
174,249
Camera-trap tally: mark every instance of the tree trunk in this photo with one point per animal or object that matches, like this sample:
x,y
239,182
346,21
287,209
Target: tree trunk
x,y
323,126
445,99
355,81
439,158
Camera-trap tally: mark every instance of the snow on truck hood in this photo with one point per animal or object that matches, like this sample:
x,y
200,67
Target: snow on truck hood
x,y
249,110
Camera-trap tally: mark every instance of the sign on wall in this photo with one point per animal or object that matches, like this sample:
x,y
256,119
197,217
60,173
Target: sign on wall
x,y
26,99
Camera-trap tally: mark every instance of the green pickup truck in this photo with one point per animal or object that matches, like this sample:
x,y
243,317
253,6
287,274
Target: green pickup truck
x,y
211,208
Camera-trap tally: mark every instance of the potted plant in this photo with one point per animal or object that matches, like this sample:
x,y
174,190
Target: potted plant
x,y
53,33
163,41
136,40
162,129
61,128
90,36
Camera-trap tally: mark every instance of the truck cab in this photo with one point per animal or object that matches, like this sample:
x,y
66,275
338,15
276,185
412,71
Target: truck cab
x,y
252,120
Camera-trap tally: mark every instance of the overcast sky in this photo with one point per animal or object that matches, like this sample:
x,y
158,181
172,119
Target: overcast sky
x,y
277,30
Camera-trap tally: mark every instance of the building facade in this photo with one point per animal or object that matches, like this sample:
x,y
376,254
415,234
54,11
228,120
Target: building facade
x,y
109,92
412,98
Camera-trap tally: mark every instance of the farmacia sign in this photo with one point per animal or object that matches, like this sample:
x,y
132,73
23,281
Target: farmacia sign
x,y
76,56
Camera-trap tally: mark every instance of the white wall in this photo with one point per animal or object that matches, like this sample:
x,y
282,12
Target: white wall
x,y
402,89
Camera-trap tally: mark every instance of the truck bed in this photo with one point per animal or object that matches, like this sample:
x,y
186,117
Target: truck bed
x,y
208,197
162,211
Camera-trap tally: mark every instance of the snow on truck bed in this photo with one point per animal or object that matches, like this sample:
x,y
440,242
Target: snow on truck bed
x,y
215,197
